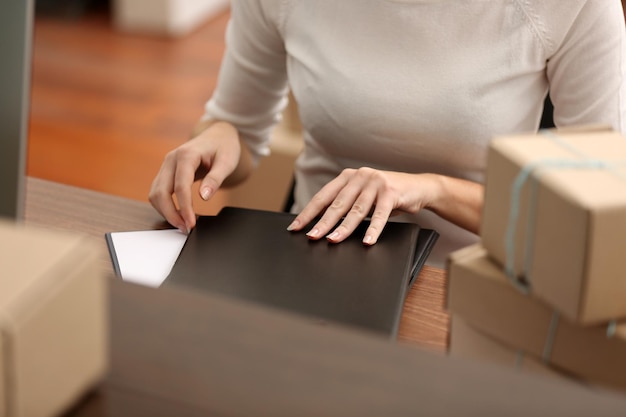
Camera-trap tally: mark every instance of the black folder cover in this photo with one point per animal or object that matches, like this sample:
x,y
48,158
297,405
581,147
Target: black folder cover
x,y
249,254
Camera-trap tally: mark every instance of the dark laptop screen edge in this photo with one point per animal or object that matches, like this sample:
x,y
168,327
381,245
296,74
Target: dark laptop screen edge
x,y
16,34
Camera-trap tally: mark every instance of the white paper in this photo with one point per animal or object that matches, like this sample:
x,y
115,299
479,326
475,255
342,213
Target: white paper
x,y
146,257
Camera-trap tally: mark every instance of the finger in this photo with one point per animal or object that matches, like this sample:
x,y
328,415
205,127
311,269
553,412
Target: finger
x,y
186,167
360,209
378,220
222,166
160,197
342,205
318,204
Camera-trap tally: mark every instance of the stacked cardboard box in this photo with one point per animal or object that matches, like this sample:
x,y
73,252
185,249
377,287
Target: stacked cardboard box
x,y
473,344
548,281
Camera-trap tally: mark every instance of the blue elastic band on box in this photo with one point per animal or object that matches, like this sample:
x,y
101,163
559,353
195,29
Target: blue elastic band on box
x,y
516,189
547,348
611,329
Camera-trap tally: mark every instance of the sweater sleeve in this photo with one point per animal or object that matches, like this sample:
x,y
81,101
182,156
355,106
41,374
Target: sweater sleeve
x,y
252,85
586,70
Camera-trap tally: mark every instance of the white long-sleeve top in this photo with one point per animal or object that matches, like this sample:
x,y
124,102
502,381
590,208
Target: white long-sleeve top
x,y
417,85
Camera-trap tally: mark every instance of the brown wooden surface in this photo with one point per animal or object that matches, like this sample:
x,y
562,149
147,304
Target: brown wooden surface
x,y
58,206
424,321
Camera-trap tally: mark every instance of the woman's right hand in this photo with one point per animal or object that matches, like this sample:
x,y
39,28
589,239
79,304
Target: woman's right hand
x,y
213,156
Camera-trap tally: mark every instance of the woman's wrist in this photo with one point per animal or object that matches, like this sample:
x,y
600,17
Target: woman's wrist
x,y
225,135
457,200
225,131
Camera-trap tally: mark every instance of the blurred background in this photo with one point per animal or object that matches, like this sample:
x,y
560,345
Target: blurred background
x,y
107,104
116,84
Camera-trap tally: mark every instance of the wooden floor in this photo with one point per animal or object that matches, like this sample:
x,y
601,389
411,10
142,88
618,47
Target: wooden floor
x,y
106,106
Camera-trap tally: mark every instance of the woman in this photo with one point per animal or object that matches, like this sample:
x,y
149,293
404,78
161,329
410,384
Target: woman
x,y
398,101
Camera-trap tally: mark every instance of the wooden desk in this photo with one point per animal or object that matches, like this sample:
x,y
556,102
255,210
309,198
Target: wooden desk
x,y
424,322
177,353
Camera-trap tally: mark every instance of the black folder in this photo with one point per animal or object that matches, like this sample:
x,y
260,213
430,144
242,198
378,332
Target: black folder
x,y
249,254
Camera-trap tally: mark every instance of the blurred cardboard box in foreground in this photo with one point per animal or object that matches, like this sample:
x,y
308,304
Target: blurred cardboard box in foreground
x,y
53,320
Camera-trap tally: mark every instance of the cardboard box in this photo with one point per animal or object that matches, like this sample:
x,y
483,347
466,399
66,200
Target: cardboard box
x,y
469,343
53,320
568,238
479,292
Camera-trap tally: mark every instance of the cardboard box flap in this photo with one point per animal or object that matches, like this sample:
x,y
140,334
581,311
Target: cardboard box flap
x,y
582,129
593,162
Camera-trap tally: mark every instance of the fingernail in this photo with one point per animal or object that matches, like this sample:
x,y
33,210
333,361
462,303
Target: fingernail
x,y
313,233
333,236
368,240
293,225
205,193
183,229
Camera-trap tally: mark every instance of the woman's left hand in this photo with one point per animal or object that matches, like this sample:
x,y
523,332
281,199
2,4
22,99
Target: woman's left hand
x,y
359,193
